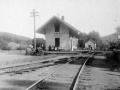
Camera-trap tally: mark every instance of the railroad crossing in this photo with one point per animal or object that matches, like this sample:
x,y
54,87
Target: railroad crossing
x,y
59,74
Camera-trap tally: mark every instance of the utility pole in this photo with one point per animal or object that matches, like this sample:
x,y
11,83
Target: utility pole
x,y
33,15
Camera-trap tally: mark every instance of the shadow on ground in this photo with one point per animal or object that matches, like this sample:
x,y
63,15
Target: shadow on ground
x,y
17,84
52,86
78,61
101,63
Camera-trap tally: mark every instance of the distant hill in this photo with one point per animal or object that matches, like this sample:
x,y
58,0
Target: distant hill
x,y
9,37
13,40
13,45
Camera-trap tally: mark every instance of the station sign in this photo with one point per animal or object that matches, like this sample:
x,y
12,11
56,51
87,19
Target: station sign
x,y
57,34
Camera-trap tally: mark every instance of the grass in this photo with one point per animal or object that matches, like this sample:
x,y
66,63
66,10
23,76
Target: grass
x,y
16,57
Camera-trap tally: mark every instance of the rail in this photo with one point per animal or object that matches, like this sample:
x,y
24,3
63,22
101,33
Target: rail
x,y
32,86
27,65
75,82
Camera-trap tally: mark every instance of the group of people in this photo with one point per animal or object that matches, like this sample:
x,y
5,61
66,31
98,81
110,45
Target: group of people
x,y
31,51
53,48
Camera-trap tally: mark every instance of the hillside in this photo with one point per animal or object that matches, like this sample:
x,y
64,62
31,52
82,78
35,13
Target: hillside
x,y
13,40
9,37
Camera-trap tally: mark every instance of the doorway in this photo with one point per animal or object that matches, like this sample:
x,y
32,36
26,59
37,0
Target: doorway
x,y
57,42
90,47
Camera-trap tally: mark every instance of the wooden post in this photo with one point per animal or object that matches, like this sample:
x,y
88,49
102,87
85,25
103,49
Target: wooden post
x,y
33,13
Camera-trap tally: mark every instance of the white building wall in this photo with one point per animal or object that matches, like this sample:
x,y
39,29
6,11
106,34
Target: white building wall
x,y
64,39
73,43
63,35
90,43
49,39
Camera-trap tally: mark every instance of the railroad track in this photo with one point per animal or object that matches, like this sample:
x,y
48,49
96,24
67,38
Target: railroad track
x,y
75,81
18,69
39,86
32,65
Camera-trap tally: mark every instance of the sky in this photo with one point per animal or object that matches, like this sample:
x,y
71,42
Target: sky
x,y
102,16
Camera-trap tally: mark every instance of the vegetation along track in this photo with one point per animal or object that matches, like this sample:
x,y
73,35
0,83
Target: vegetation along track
x,y
44,84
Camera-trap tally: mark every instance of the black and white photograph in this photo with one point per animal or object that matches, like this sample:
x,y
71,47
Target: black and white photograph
x,y
59,44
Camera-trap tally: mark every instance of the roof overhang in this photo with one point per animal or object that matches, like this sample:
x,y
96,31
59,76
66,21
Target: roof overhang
x,y
73,31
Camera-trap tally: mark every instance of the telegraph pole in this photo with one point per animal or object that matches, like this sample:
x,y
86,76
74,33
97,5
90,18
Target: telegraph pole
x,y
33,15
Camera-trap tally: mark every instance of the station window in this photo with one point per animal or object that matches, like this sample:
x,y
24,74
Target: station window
x,y
57,27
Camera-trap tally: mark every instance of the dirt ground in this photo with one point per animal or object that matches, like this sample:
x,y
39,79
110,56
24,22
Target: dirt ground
x,y
62,79
94,78
99,77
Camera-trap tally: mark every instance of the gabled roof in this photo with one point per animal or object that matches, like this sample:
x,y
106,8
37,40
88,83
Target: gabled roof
x,y
91,41
40,29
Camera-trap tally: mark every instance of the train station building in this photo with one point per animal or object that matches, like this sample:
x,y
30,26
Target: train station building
x,y
60,34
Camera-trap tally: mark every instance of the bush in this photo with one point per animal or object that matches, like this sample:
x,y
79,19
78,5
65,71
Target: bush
x,y
113,60
21,48
5,47
118,45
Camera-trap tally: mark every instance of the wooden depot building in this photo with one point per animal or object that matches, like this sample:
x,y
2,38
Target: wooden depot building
x,y
60,34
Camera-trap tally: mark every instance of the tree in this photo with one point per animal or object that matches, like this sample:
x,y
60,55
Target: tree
x,y
83,38
39,42
118,28
95,36
4,45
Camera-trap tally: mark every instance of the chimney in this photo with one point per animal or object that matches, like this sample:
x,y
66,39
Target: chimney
x,y
62,18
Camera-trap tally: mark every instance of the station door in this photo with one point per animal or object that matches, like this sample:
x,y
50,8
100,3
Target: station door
x,y
57,42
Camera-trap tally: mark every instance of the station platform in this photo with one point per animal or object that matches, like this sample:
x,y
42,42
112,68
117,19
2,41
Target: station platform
x,y
60,52
72,52
65,52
